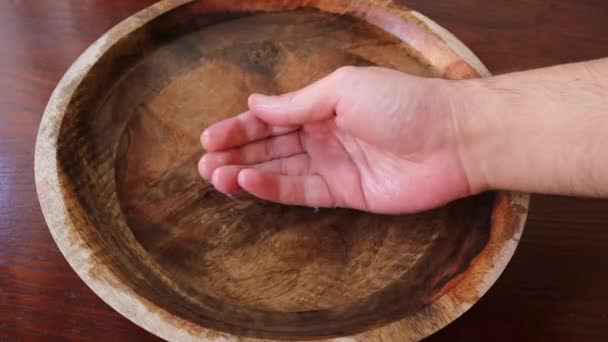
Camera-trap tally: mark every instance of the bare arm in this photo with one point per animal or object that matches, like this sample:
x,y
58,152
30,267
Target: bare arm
x,y
543,131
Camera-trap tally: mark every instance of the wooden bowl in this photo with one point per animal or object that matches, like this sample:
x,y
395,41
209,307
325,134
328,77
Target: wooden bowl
x,y
117,181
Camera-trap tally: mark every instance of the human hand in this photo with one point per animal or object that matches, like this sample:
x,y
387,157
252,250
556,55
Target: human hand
x,y
371,139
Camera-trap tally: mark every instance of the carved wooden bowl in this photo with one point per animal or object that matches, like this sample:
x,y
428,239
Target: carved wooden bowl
x,y
117,181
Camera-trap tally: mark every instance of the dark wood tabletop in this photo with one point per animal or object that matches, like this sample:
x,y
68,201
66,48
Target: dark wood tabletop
x,y
554,289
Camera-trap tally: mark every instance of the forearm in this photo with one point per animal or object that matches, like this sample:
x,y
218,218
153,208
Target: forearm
x,y
543,131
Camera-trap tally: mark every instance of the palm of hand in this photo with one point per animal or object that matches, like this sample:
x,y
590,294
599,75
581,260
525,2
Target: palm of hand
x,y
364,176
323,165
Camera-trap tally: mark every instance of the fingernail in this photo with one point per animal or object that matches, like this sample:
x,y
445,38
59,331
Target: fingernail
x,y
215,177
264,101
241,178
205,139
206,166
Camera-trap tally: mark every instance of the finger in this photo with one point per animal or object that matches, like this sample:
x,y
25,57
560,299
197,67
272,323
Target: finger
x,y
310,190
253,153
297,165
238,131
315,102
224,178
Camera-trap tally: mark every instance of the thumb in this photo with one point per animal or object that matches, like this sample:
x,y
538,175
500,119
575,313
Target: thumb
x,y
315,102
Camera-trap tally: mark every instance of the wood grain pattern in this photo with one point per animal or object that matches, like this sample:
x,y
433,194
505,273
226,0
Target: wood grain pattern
x,y
545,294
114,167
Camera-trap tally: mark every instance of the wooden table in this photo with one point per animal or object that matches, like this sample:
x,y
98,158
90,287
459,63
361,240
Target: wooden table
x,y
556,287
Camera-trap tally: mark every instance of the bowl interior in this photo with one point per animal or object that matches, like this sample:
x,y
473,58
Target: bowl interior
x,y
129,145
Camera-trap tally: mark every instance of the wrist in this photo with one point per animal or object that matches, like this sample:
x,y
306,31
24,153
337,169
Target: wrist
x,y
536,131
471,109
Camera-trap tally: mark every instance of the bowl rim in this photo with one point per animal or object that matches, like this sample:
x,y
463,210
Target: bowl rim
x,y
443,51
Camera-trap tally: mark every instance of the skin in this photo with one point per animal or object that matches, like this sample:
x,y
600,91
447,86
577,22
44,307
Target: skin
x,y
382,141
